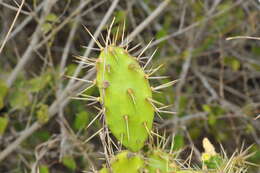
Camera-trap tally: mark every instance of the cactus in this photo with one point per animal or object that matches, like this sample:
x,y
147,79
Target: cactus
x,y
125,162
128,106
162,161
125,94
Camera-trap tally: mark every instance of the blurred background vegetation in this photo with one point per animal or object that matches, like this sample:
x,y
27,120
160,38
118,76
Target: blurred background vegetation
x,y
218,95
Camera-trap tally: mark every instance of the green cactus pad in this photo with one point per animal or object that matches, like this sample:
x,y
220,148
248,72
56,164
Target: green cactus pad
x,y
125,94
159,161
125,162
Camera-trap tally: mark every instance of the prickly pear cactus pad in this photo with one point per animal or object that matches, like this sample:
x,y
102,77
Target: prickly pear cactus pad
x,y
125,162
125,94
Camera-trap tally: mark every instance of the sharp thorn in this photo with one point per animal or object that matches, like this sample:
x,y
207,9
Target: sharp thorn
x,y
93,135
149,60
158,77
165,85
83,80
96,117
96,41
144,49
109,31
127,127
133,48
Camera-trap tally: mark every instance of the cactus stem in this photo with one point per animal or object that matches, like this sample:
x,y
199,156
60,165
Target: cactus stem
x,y
164,85
149,60
96,117
127,127
96,41
146,47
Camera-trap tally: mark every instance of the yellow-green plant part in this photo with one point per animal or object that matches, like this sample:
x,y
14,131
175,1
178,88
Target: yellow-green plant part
x,y
159,161
210,159
125,162
125,94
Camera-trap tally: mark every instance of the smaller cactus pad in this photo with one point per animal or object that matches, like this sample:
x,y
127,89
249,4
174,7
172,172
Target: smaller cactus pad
x,y
125,162
159,161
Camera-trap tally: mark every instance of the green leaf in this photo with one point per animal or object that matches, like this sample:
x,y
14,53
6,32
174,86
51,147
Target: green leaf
x,y
256,50
232,62
120,16
51,18
46,27
69,162
71,69
256,67
207,108
178,142
3,124
3,93
256,157
38,83
19,99
81,120
43,114
182,105
44,169
212,119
